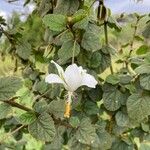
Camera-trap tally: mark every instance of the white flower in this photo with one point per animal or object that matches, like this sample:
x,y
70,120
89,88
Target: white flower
x,y
72,78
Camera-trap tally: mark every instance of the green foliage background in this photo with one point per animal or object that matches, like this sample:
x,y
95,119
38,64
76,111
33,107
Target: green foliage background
x,y
116,51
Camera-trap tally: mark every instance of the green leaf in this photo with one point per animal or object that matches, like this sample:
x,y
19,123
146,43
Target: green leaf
x,y
122,119
142,50
91,108
82,24
146,32
95,93
27,118
139,38
63,37
66,7
91,41
40,106
145,81
125,79
121,145
112,98
8,87
112,79
103,141
108,49
95,60
24,50
112,23
57,142
43,128
5,110
144,146
57,108
55,22
143,69
40,87
68,48
74,144
105,62
86,132
74,121
138,106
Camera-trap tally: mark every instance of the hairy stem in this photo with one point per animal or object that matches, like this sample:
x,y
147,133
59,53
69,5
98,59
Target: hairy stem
x,y
106,42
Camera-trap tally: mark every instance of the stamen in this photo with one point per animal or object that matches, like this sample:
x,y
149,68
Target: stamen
x,y
67,110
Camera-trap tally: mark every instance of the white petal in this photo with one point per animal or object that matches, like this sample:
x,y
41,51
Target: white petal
x,y
59,68
73,77
89,80
53,78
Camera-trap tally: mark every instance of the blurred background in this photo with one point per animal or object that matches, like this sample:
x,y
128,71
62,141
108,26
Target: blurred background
x,y
8,7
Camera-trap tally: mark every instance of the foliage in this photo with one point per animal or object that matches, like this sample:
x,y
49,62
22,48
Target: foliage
x,y
115,115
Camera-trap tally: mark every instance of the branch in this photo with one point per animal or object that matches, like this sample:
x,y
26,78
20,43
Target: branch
x,y
17,105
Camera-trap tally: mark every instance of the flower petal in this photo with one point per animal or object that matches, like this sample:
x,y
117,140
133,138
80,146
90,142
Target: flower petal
x,y
59,68
89,80
53,78
73,77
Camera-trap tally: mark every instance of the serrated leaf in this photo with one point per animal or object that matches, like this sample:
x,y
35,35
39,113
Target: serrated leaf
x,y
27,118
112,98
86,132
145,81
5,110
8,87
138,106
24,50
69,47
122,119
90,41
57,108
43,128
55,22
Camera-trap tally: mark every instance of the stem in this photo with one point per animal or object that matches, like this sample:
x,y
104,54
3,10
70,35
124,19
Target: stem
x,y
73,51
106,42
17,105
11,133
134,34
